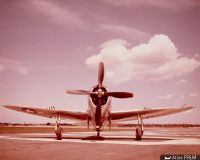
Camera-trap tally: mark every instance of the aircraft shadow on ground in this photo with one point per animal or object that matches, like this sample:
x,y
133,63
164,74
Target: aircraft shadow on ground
x,y
89,138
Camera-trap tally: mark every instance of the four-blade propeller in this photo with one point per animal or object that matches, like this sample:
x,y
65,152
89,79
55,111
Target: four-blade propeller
x,y
101,93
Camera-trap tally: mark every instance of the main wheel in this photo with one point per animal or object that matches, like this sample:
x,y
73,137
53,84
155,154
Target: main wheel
x,y
59,132
139,133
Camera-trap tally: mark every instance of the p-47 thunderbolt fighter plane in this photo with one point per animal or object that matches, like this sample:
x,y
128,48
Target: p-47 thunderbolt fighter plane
x,y
99,109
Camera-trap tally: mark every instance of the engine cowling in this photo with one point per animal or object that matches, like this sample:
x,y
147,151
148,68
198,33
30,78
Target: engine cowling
x,y
94,98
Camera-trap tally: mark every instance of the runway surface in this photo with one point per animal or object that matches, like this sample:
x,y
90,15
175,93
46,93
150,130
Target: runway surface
x,y
117,145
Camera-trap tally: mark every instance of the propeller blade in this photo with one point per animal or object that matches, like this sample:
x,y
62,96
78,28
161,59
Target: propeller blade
x,y
119,94
78,92
100,74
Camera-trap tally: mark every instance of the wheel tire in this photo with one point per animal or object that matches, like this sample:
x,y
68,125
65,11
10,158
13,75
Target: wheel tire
x,y
139,133
58,132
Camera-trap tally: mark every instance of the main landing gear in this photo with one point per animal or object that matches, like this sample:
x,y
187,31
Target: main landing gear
x,y
139,130
58,129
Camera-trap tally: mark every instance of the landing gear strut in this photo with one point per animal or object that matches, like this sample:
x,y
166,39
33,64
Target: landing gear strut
x,y
58,129
139,130
98,133
109,122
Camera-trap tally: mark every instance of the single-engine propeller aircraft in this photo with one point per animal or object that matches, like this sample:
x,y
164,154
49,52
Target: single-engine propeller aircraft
x,y
99,109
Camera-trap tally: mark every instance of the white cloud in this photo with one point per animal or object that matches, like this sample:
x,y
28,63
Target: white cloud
x,y
196,55
90,48
164,4
18,67
52,67
57,13
12,65
181,81
168,96
194,94
114,43
156,60
121,29
182,96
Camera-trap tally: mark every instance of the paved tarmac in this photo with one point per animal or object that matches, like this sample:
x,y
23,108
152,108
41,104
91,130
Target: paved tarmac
x,y
117,145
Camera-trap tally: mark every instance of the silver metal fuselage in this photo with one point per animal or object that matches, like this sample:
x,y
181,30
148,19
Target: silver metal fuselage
x,y
105,111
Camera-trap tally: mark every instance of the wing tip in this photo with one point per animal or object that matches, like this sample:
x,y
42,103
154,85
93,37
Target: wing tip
x,y
8,106
187,107
5,106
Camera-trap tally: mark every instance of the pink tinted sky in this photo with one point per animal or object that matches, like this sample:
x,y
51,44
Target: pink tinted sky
x,y
149,48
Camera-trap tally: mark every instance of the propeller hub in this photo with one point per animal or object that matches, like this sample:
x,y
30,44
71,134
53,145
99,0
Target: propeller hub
x,y
99,92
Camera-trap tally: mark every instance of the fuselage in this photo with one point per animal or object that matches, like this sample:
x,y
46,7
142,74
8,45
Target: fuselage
x,y
99,117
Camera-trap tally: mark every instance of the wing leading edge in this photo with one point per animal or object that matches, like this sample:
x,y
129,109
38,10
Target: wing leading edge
x,y
130,115
49,113
145,114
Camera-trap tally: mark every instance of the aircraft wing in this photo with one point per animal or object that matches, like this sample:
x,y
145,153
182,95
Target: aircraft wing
x,y
49,113
147,113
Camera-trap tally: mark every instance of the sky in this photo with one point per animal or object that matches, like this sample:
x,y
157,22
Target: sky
x,y
150,48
